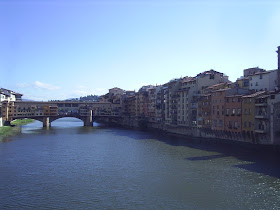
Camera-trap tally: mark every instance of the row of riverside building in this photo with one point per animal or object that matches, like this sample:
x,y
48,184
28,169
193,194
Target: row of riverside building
x,y
208,105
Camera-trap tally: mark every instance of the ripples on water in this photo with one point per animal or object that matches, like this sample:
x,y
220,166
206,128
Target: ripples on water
x,y
71,166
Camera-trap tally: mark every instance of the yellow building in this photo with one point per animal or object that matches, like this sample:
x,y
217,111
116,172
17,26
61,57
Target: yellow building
x,y
53,110
243,83
46,110
131,106
248,114
7,110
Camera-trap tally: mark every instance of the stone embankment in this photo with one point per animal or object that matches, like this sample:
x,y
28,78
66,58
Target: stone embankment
x,y
202,135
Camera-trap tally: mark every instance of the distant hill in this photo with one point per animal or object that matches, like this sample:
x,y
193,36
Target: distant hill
x,y
26,99
88,98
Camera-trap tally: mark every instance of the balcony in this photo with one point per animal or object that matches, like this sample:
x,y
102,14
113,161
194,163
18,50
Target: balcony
x,y
196,94
260,104
194,106
264,116
261,131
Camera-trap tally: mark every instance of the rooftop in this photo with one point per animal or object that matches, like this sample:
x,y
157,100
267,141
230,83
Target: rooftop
x,y
254,94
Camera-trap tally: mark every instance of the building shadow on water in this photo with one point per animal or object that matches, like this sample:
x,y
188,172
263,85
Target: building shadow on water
x,y
257,158
207,157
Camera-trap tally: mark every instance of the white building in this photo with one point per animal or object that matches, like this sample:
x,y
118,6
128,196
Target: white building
x,y
7,95
264,81
267,118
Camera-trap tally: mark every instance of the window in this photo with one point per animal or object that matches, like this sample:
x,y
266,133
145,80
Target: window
x,y
250,124
233,111
239,99
232,99
239,112
227,100
235,124
230,124
261,76
227,112
256,83
221,123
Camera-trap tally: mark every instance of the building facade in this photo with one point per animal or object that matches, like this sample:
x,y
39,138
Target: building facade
x,y
248,115
264,117
264,81
204,111
233,117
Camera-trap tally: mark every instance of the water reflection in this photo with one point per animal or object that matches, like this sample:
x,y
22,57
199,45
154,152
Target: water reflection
x,y
72,166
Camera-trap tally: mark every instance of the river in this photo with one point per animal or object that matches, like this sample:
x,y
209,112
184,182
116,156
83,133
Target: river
x,y
73,167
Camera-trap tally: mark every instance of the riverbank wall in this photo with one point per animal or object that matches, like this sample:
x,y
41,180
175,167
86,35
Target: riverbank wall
x,y
203,134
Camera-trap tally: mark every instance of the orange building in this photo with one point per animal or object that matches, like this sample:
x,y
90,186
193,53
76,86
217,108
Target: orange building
x,y
204,111
218,105
233,110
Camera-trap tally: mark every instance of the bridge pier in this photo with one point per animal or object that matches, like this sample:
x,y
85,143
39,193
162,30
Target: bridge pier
x,y
88,123
46,122
88,119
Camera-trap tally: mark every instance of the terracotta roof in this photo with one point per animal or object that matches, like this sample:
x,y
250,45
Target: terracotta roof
x,y
254,94
222,83
18,94
205,95
220,90
264,72
264,96
235,96
187,79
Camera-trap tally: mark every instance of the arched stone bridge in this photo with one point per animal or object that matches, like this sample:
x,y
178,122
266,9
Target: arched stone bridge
x,y
48,112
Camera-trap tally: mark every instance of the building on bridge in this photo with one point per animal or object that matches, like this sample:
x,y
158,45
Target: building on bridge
x,y
47,112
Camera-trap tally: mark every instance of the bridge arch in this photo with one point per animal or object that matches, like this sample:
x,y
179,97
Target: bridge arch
x,y
52,119
88,120
47,120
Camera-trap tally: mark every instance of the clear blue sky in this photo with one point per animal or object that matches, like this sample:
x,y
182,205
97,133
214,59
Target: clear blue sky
x,y
62,49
